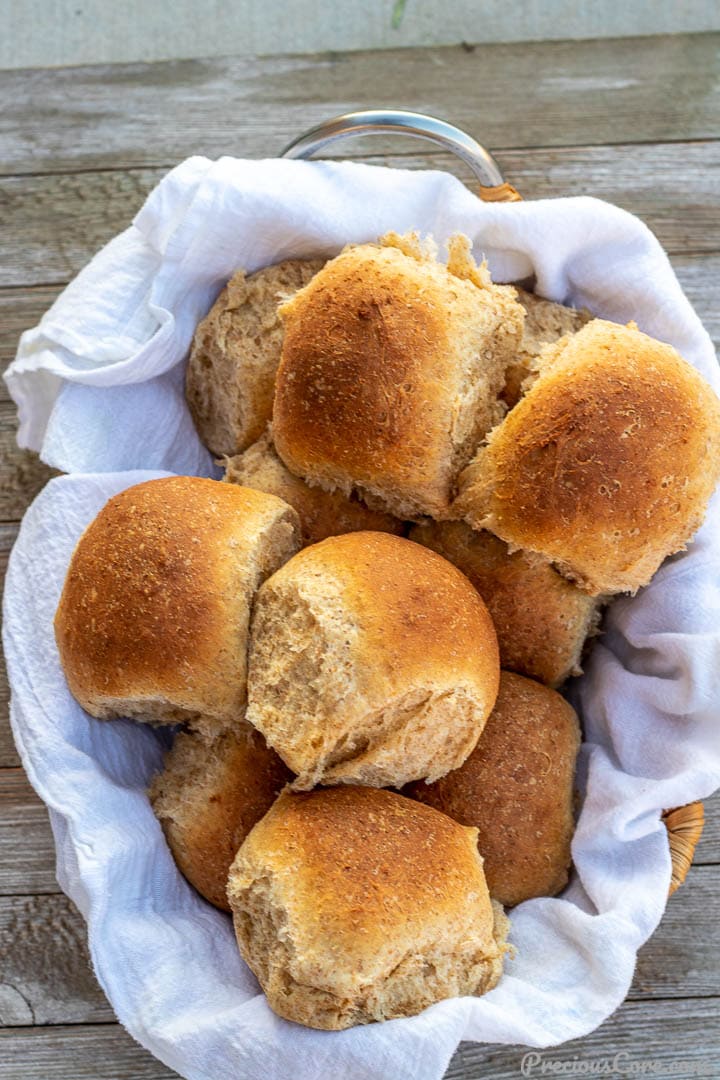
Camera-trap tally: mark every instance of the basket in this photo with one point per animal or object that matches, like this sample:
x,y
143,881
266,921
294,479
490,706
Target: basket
x,y
685,823
109,357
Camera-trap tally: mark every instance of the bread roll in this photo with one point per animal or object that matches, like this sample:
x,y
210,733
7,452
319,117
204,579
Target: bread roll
x,y
541,619
230,378
322,513
153,618
545,322
390,373
606,465
208,797
372,661
516,789
353,905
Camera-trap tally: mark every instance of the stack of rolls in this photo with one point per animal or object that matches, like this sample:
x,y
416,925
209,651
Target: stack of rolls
x,y
429,477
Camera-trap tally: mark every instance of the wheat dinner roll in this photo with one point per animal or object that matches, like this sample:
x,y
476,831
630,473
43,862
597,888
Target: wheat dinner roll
x,y
516,789
322,513
545,322
541,619
352,905
208,797
230,379
372,660
390,373
152,621
606,465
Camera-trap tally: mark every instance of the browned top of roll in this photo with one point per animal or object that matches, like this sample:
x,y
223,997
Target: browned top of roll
x,y
361,876
516,788
390,374
607,464
414,611
152,621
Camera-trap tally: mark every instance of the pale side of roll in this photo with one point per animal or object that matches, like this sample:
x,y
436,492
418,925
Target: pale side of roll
x,y
353,905
230,378
322,513
210,793
372,660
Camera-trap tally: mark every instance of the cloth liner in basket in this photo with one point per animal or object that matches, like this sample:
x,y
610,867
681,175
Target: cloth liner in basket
x,y
99,385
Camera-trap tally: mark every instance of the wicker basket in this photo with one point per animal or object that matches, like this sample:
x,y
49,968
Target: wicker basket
x,y
685,823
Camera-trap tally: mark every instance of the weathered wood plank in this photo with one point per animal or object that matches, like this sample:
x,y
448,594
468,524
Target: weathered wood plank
x,y
630,90
27,854
699,276
96,1052
75,34
46,978
54,224
19,310
680,959
45,972
9,757
681,1038
8,754
707,852
22,474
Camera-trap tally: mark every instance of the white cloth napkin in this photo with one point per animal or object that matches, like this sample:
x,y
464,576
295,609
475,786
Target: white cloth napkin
x,y
99,388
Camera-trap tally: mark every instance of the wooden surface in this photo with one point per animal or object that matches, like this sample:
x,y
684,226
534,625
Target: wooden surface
x,y
634,121
101,31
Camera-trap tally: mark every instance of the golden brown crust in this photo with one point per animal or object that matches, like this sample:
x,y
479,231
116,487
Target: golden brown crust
x,y
372,660
606,465
210,794
230,379
322,513
382,903
516,789
390,374
153,617
541,619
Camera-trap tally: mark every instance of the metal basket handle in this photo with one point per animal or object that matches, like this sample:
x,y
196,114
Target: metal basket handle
x,y
493,188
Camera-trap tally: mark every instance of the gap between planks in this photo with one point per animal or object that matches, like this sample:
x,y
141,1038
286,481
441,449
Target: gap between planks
x,y
638,90
46,975
667,1033
54,224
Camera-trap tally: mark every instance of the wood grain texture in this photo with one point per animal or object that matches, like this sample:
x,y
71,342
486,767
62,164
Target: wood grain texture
x,y
510,96
106,135
94,1052
53,225
27,853
667,1032
22,474
46,978
45,972
81,34
699,276
8,753
707,853
20,309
